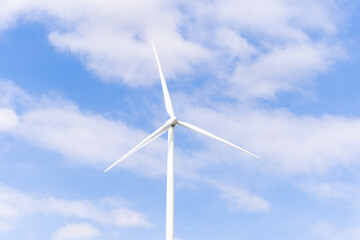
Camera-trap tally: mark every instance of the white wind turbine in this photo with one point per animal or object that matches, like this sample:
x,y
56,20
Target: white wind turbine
x,y
169,126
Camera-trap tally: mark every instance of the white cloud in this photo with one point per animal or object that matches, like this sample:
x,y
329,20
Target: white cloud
x,y
89,138
328,231
15,205
237,198
11,95
127,218
119,216
261,47
241,199
92,139
276,50
54,123
112,37
5,226
332,191
74,134
233,45
76,231
8,119
285,142
276,18
282,69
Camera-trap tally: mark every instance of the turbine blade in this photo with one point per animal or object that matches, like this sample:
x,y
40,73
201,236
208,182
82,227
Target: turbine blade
x,y
167,98
206,133
147,140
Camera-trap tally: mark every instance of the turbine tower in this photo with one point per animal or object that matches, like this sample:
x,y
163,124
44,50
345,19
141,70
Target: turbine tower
x,y
169,127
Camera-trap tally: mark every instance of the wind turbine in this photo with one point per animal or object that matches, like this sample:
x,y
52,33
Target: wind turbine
x,y
169,127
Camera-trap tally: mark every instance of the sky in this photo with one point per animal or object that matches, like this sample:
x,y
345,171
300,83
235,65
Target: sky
x,y
79,87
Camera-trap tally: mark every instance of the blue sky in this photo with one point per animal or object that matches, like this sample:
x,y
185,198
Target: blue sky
x,y
79,87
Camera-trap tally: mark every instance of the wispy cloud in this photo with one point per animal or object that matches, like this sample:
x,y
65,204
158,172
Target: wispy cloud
x,y
277,49
261,49
238,198
76,231
91,139
123,29
54,123
276,135
332,192
11,96
284,141
282,69
248,50
329,231
5,226
8,119
16,205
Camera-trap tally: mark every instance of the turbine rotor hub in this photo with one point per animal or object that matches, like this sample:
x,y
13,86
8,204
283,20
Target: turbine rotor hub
x,y
173,121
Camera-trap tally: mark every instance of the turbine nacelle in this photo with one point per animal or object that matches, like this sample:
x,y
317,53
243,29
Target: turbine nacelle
x,y
173,121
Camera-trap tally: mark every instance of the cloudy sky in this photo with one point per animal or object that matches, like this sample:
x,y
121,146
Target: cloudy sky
x,y
79,87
